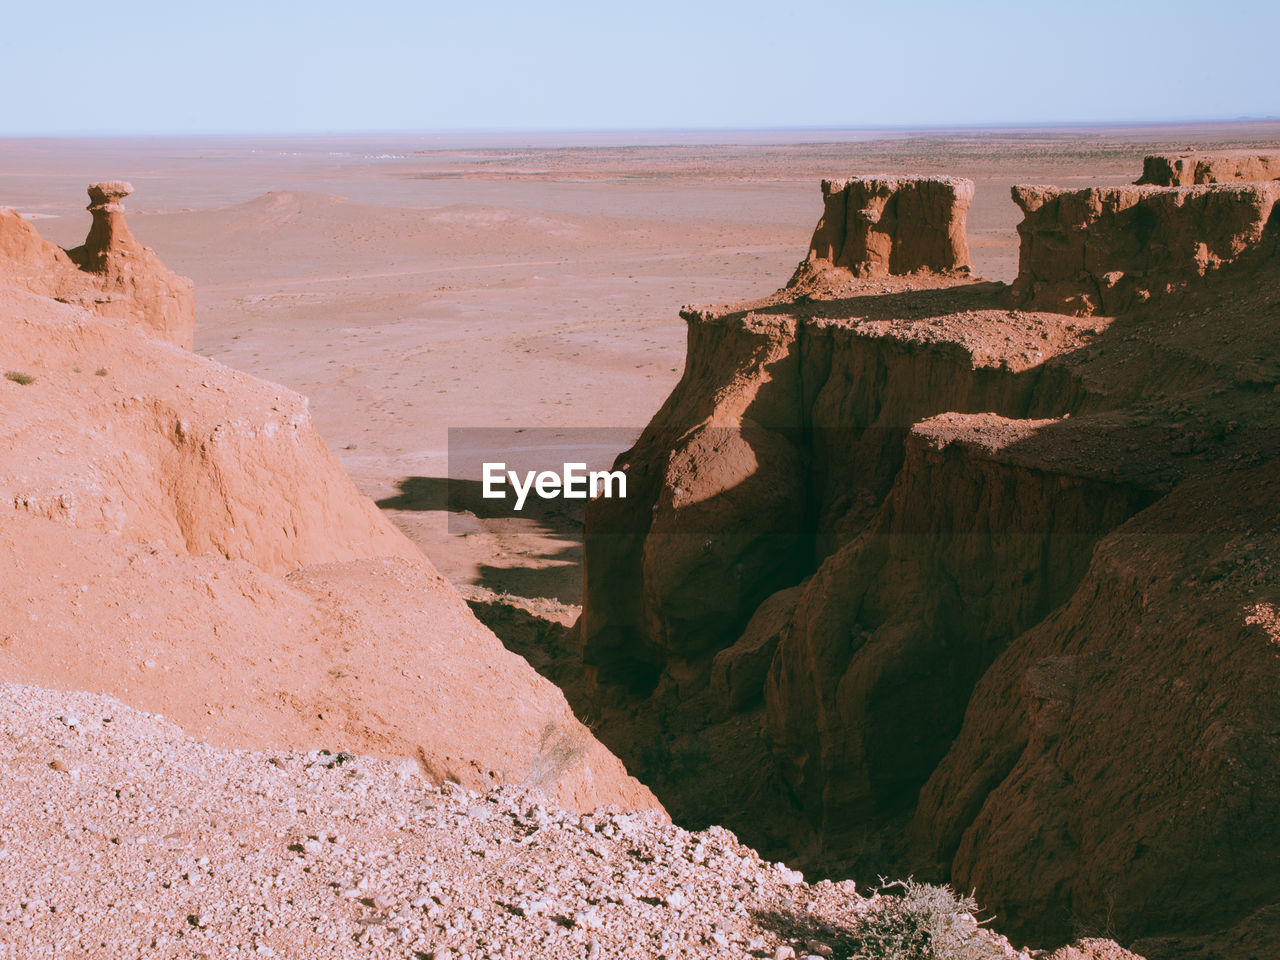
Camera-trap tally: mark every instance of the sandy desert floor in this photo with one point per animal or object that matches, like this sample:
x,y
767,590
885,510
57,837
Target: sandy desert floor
x,y
410,285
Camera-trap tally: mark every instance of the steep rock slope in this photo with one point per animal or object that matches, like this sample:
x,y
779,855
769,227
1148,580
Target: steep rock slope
x,y
376,655
177,534
134,437
897,496
1119,763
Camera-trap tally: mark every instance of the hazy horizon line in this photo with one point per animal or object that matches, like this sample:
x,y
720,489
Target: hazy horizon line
x,y
950,127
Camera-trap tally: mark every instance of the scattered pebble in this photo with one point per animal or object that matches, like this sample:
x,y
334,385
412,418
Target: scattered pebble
x,y
170,847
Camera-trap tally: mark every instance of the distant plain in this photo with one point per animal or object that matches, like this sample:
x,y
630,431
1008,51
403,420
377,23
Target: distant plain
x,y
410,284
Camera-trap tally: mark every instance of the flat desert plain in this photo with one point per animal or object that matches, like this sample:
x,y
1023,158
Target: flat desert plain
x,y
412,284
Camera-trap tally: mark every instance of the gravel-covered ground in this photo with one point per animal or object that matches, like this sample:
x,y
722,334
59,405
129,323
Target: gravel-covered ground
x,y
119,837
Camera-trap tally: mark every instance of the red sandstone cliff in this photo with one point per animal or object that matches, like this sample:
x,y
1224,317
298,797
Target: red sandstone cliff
x,y
1214,166
1117,249
986,592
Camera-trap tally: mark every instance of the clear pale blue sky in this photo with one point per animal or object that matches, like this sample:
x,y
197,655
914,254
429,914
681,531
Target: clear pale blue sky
x,y
287,66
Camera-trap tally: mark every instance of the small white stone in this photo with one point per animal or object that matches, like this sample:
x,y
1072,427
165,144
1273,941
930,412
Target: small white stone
x,y
790,877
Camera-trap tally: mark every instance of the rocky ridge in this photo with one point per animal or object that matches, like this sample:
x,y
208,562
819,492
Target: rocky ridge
x,y
932,575
1213,166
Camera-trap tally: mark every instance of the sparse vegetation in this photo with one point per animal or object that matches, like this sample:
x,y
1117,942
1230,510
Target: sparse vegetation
x,y
926,923
18,376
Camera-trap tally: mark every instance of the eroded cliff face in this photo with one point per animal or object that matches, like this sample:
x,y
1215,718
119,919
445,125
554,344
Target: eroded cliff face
x,y
176,534
1116,249
1118,763
972,546
903,502
1215,166
877,226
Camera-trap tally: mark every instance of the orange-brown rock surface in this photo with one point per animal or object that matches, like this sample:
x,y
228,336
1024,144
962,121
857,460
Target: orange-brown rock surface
x,y
169,448
1115,249
1214,166
137,285
1013,571
111,274
177,535
873,226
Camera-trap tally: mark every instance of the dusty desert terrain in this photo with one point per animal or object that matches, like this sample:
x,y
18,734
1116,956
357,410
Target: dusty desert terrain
x,y
408,285
952,555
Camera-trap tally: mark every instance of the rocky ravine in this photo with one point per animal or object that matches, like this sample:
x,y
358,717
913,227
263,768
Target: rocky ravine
x,y
930,574
176,539
176,535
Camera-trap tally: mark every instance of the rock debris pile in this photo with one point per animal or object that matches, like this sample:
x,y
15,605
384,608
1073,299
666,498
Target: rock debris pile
x,y
120,837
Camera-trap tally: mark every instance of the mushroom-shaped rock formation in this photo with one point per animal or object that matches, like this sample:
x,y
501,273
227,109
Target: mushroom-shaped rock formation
x,y
136,284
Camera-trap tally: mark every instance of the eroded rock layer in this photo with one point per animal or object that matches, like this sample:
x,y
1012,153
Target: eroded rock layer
x,y
1115,249
987,592
1219,166
873,226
